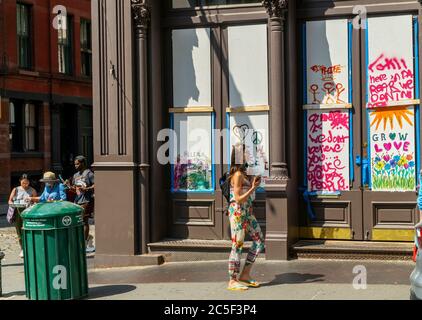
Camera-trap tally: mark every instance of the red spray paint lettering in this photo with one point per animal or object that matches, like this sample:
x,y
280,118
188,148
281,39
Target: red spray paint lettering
x,y
328,139
390,80
327,90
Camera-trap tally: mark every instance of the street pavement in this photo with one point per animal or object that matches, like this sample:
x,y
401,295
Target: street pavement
x,y
292,280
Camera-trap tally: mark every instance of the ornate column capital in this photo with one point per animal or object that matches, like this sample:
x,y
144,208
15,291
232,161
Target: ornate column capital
x,y
141,14
276,8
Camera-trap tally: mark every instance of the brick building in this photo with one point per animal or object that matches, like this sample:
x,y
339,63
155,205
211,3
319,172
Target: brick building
x,y
45,87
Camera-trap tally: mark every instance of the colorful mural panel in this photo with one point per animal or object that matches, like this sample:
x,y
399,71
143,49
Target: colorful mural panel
x,y
192,169
393,149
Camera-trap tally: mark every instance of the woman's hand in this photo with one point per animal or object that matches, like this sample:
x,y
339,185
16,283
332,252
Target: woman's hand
x,y
256,182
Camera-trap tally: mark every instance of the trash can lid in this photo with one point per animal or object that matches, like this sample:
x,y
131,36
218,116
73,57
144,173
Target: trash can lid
x,y
51,210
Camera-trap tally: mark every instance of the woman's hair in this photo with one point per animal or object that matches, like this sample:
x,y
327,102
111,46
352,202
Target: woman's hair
x,y
23,177
81,159
238,160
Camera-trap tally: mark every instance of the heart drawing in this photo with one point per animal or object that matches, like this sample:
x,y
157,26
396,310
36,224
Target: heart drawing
x,y
387,146
241,131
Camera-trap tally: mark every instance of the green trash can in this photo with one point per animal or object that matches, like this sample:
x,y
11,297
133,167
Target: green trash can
x,y
54,252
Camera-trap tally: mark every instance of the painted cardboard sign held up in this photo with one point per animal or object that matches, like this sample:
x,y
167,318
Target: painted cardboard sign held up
x,y
251,129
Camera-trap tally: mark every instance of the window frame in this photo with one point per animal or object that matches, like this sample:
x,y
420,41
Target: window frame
x,y
20,38
68,48
19,139
86,48
30,126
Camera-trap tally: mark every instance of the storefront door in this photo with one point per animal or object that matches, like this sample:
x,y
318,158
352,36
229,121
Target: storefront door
x,y
361,128
219,97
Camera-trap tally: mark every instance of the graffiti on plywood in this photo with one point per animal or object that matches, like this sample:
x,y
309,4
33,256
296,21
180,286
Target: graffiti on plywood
x,y
393,149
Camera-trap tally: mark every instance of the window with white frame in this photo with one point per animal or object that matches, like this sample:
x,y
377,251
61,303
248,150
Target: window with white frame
x,y
23,122
30,127
86,48
65,49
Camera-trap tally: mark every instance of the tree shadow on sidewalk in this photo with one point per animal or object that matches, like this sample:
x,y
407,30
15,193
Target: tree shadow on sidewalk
x,y
109,291
294,278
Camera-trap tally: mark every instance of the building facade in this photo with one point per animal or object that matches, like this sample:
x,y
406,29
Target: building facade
x,y
45,88
325,95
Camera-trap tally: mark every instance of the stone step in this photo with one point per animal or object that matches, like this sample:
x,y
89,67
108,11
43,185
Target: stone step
x,y
177,250
352,250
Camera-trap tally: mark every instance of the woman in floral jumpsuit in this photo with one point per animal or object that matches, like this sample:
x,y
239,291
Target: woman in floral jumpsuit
x,y
242,222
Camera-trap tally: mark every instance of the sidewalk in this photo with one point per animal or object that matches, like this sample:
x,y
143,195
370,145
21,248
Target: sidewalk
x,y
292,280
295,280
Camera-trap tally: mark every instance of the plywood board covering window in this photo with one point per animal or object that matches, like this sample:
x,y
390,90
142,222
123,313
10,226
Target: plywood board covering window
x,y
248,65
191,68
327,83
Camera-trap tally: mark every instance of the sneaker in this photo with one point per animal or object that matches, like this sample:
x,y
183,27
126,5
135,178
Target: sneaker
x,y
21,254
90,249
90,245
90,241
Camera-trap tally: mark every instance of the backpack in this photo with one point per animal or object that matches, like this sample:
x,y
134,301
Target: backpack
x,y
225,186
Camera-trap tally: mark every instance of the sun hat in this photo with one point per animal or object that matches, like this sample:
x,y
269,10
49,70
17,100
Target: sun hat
x,y
49,177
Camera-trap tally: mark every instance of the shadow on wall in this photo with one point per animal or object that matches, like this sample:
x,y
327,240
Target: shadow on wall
x,y
186,88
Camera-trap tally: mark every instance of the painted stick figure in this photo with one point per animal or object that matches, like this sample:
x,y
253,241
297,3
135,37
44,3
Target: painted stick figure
x,y
314,91
340,89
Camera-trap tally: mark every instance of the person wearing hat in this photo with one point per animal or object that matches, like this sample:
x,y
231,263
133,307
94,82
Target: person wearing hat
x,y
53,191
